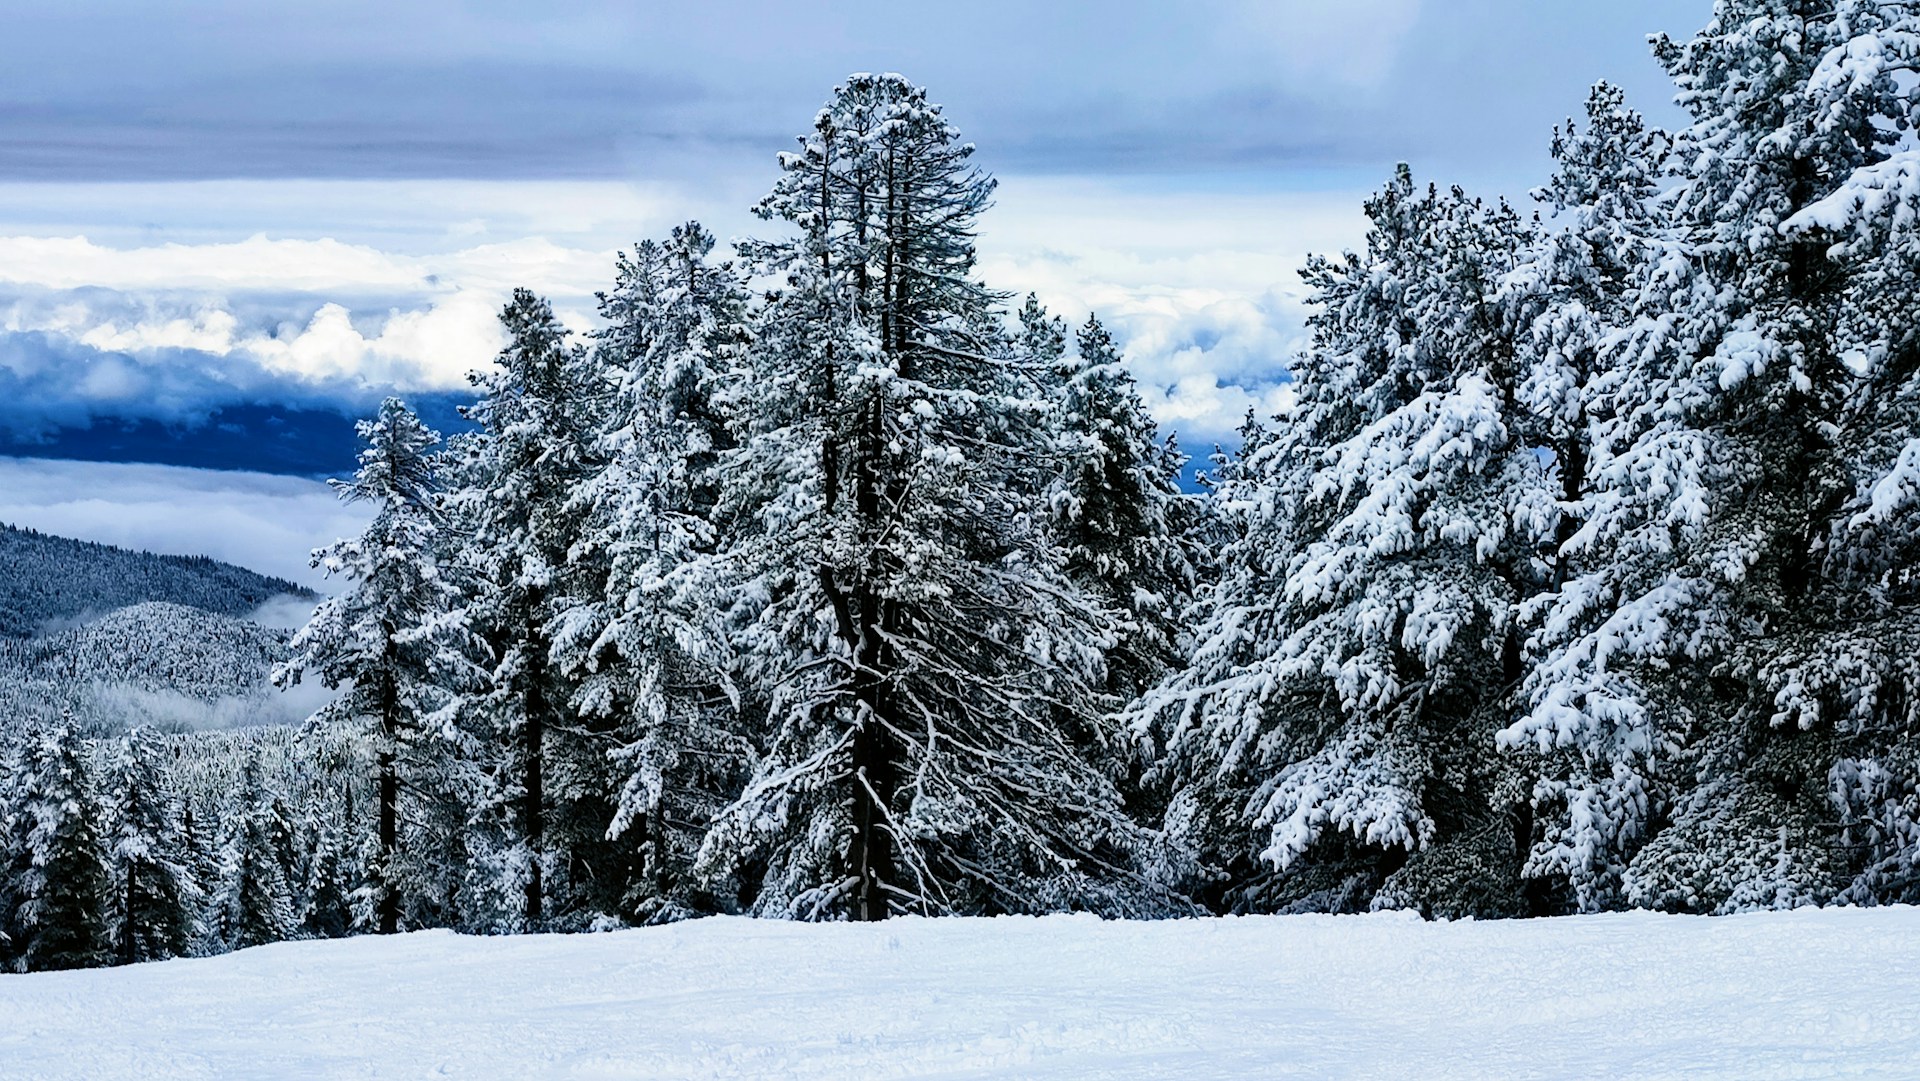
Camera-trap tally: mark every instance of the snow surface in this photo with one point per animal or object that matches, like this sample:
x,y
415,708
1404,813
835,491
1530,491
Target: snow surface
x,y
1805,994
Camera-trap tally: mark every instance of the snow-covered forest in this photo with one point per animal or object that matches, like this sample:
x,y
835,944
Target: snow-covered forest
x,y
825,582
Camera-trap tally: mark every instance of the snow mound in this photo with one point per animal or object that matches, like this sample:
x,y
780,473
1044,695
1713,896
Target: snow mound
x,y
1810,993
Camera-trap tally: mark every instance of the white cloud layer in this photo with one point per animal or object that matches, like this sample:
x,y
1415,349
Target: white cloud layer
x,y
1200,285
265,523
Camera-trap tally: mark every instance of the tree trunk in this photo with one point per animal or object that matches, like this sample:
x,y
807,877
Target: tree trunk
x,y
128,953
387,907
534,822
389,903
875,780
875,765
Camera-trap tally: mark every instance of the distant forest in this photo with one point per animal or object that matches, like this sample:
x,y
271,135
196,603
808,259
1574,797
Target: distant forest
x,y
47,580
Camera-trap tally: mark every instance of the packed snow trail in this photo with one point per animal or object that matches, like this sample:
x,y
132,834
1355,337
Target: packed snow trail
x,y
1808,994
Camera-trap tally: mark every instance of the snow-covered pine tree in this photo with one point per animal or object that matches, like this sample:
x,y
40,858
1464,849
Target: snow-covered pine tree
x,y
1042,338
1128,531
154,897
1848,656
60,877
538,414
13,855
1574,298
643,641
1332,741
327,896
1697,659
902,608
394,639
253,902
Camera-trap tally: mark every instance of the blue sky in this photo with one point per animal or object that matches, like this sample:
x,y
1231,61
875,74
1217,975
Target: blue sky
x,y
227,226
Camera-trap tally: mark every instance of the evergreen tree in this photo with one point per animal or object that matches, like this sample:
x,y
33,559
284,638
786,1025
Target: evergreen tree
x,y
901,610
253,903
60,875
642,641
539,410
393,639
13,857
155,898
1576,297
1689,669
1352,662
1844,657
1127,528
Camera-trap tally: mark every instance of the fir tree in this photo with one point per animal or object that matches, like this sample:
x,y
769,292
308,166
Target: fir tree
x,y
155,897
393,639
1351,663
61,877
1576,297
640,636
902,613
539,410
253,903
1127,528
1717,483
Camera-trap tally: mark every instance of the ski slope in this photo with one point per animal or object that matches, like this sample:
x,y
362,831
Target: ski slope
x,y
1809,994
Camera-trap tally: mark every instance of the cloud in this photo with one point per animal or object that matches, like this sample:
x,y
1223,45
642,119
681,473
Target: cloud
x,y
1200,286
173,333
265,523
109,89
1350,44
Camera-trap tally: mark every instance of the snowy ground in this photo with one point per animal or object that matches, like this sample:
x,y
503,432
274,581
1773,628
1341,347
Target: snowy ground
x,y
1803,995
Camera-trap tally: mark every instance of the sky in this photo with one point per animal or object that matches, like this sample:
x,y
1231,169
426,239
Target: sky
x,y
227,227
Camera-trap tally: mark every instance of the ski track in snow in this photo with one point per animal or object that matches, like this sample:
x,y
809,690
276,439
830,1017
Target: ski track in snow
x,y
1807,994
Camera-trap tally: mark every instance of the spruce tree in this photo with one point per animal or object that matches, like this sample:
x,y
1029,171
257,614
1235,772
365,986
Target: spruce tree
x,y
155,898
902,611
539,411
253,902
393,638
1127,529
1575,298
61,877
1331,742
1691,668
640,635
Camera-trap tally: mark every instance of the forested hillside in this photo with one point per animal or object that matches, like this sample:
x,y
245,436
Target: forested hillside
x,y
52,580
154,663
1578,577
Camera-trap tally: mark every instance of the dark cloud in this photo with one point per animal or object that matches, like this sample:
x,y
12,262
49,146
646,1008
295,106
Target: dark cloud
x,y
63,398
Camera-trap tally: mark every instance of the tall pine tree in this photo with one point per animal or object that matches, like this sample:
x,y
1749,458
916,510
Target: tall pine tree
x,y
903,611
1331,742
155,898
393,639
538,415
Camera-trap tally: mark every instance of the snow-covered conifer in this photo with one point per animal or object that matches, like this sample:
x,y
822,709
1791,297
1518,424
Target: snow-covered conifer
x,y
641,638
539,412
154,897
394,638
1331,742
902,609
253,902
59,871
1575,297
1127,528
1690,669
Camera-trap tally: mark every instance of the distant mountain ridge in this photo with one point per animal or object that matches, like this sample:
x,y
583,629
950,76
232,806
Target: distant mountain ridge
x,y
47,580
